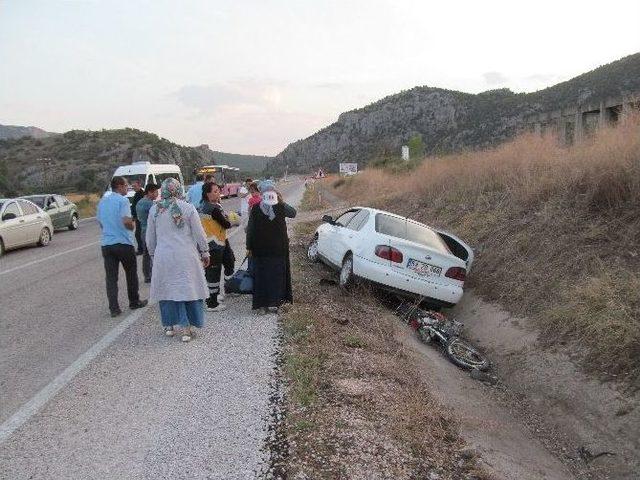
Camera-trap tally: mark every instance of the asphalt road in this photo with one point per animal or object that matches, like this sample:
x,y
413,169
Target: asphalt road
x,y
86,396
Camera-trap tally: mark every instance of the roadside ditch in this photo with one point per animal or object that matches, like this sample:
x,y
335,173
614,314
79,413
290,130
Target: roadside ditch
x,y
357,405
542,418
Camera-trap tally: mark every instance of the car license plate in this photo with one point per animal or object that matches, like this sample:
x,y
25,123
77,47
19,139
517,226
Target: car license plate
x,y
423,269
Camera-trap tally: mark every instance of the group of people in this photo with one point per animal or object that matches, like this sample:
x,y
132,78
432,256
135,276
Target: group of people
x,y
186,251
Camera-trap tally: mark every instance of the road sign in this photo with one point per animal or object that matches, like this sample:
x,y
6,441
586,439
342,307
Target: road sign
x,y
348,168
405,152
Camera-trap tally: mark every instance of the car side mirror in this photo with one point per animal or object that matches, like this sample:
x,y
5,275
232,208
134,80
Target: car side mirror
x,y
8,216
328,219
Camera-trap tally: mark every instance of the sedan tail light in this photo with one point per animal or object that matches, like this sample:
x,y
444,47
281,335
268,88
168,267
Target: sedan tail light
x,y
457,273
389,253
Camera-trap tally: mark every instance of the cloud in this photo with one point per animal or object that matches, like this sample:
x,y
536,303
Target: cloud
x,y
540,77
248,116
494,78
208,99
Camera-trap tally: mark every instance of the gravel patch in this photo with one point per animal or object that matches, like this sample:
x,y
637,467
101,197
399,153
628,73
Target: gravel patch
x,y
152,407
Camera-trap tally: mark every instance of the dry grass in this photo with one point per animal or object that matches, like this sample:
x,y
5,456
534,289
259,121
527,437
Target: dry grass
x,y
87,203
357,406
313,200
557,231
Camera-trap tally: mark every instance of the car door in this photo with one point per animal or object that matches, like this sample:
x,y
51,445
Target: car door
x,y
13,232
65,210
52,209
339,236
348,239
32,221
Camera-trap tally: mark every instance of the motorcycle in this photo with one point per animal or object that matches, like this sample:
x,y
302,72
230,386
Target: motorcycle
x,y
434,326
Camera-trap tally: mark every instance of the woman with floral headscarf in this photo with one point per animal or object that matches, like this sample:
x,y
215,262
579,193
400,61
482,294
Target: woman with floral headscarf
x,y
268,247
177,243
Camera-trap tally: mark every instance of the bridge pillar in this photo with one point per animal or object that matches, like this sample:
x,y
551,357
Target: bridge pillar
x,y
562,130
603,121
579,127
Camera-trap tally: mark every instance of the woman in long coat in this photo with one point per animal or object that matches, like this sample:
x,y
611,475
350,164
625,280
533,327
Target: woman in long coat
x,y
177,243
268,247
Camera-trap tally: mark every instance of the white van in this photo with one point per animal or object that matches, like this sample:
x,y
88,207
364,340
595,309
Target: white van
x,y
148,172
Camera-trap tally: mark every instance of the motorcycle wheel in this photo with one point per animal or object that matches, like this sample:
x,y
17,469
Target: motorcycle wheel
x,y
465,356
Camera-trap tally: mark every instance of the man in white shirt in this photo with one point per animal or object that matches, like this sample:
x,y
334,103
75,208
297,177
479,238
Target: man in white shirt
x,y
194,195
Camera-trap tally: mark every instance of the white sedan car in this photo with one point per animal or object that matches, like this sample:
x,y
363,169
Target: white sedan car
x,y
23,223
394,252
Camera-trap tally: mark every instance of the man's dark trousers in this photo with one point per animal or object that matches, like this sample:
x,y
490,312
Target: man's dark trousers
x,y
113,256
139,236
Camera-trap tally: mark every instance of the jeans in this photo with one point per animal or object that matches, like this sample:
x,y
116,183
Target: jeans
x,y
182,314
113,256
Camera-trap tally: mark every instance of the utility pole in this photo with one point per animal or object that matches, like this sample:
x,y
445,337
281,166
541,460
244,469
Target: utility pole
x,y
286,172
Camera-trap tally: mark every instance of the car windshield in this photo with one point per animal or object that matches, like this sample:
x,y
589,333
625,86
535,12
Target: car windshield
x,y
161,177
39,200
141,177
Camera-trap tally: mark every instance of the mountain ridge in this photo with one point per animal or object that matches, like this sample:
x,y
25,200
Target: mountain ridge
x,y
84,160
447,120
16,131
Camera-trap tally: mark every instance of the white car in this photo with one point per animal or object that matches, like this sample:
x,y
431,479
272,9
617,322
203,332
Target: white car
x,y
23,223
394,252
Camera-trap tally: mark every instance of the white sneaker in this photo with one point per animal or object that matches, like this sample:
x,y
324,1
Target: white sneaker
x,y
169,331
221,297
187,335
219,308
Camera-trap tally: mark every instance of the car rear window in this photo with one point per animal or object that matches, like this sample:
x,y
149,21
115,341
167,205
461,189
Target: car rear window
x,y
37,200
411,231
28,208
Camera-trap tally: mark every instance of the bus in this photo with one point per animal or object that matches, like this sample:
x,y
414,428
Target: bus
x,y
227,177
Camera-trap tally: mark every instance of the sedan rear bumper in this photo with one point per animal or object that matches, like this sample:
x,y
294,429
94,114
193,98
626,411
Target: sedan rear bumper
x,y
390,279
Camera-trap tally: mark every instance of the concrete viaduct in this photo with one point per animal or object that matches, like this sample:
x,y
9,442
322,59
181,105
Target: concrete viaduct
x,y
573,124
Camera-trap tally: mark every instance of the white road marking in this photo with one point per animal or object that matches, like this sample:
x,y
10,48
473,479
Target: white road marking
x,y
34,405
87,219
28,264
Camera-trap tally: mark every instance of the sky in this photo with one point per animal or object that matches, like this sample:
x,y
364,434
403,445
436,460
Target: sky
x,y
252,76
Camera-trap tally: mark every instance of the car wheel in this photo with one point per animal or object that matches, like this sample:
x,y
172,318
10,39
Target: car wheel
x,y
346,272
312,250
74,222
45,237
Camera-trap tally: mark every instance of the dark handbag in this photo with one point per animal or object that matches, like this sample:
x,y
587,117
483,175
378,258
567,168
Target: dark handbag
x,y
241,281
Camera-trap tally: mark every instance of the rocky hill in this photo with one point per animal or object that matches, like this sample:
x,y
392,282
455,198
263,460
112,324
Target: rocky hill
x,y
85,160
14,131
250,164
447,120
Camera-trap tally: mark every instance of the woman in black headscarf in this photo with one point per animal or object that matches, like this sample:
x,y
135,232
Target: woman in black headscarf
x,y
268,249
